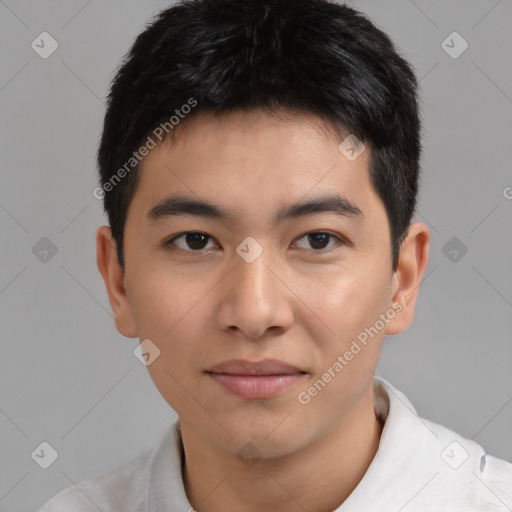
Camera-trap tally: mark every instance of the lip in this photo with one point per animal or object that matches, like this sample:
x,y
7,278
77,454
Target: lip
x,y
256,380
264,367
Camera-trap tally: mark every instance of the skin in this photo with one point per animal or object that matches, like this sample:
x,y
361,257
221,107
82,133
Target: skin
x,y
298,302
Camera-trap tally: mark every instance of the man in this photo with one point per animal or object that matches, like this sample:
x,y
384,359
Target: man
x,y
259,168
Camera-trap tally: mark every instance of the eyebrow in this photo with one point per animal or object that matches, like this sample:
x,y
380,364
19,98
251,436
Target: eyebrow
x,y
182,205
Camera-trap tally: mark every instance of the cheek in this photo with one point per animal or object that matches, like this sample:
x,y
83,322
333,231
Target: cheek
x,y
348,305
172,311
347,299
162,300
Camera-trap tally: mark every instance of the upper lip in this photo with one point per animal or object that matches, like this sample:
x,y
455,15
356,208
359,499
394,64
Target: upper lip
x,y
264,367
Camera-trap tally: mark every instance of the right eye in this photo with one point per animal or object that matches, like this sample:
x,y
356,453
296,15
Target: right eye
x,y
190,241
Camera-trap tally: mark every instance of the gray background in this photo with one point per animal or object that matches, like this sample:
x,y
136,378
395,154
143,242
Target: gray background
x,y
69,378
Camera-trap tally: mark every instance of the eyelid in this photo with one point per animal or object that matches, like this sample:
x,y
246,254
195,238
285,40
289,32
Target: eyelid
x,y
341,240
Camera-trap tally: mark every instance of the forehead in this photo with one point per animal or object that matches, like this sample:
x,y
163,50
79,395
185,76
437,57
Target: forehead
x,y
253,159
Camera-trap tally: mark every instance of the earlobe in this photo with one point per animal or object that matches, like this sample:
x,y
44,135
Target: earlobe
x,y
406,279
114,279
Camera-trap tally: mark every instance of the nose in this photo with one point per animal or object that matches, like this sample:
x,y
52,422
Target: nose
x,y
257,298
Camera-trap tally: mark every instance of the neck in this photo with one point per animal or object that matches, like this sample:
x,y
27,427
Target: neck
x,y
318,478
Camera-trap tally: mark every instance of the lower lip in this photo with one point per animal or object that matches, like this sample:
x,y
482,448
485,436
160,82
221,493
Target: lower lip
x,y
256,387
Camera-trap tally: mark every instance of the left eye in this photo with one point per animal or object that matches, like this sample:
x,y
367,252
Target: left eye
x,y
195,241
318,239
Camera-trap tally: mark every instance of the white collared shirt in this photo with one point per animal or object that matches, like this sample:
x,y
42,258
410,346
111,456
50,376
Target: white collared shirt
x,y
419,466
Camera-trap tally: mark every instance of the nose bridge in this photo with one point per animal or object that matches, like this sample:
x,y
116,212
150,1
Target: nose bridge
x,y
253,277
255,299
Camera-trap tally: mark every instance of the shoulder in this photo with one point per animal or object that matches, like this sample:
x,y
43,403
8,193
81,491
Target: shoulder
x,y
468,476
119,488
497,476
433,466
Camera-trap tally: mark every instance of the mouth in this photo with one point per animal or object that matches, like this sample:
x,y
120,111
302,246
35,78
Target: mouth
x,y
256,380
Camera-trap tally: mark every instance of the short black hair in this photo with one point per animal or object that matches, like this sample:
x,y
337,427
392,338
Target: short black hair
x,y
302,56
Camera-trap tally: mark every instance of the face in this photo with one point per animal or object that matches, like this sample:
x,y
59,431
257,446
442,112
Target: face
x,y
311,287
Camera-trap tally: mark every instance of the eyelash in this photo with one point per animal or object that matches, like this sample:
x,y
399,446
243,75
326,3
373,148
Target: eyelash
x,y
170,242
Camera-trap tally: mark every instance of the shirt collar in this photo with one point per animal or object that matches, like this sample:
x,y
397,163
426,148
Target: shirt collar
x,y
393,470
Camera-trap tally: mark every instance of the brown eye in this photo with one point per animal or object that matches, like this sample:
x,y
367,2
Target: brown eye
x,y
190,241
319,240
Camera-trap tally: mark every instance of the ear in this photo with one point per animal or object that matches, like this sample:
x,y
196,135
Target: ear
x,y
110,270
411,266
